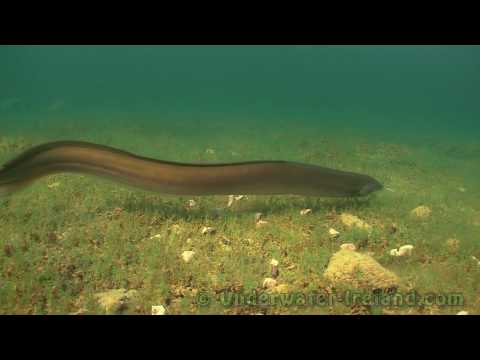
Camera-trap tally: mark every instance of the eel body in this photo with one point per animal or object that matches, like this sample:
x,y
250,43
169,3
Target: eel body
x,y
254,177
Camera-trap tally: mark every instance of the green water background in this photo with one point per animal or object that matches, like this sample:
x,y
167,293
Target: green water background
x,y
391,93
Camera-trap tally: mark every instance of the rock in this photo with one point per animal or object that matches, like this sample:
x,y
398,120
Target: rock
x,y
348,246
269,283
463,312
191,204
359,271
274,262
114,301
333,233
350,220
53,185
258,217
159,310
421,212
405,250
234,198
188,255
208,230
261,223
157,236
305,212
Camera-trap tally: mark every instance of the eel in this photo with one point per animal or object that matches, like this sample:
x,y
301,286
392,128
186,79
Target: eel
x,y
167,177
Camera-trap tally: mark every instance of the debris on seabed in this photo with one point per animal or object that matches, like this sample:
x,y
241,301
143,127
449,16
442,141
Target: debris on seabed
x,y
333,233
305,211
269,283
405,250
158,310
191,204
188,255
234,198
207,230
53,185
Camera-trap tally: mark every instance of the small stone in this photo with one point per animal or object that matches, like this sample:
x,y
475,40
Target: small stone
x,y
158,310
462,189
348,246
353,221
405,250
156,236
261,223
53,185
305,212
421,212
269,283
463,312
274,262
210,151
207,230
191,204
188,255
258,217
333,233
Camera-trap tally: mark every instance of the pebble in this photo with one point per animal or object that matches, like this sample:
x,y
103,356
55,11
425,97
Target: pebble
x,y
269,283
305,212
53,185
333,233
234,198
405,250
158,310
261,223
463,312
188,255
191,204
208,230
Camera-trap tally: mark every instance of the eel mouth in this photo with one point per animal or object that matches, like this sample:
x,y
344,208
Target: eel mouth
x,y
370,187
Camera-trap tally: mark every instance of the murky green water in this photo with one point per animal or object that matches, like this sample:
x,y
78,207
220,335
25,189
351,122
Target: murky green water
x,y
394,92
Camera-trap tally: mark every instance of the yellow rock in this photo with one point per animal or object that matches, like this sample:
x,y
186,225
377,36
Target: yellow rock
x,y
421,212
359,271
353,221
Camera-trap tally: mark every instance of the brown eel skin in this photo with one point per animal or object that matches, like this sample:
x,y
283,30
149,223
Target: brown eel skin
x,y
253,177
